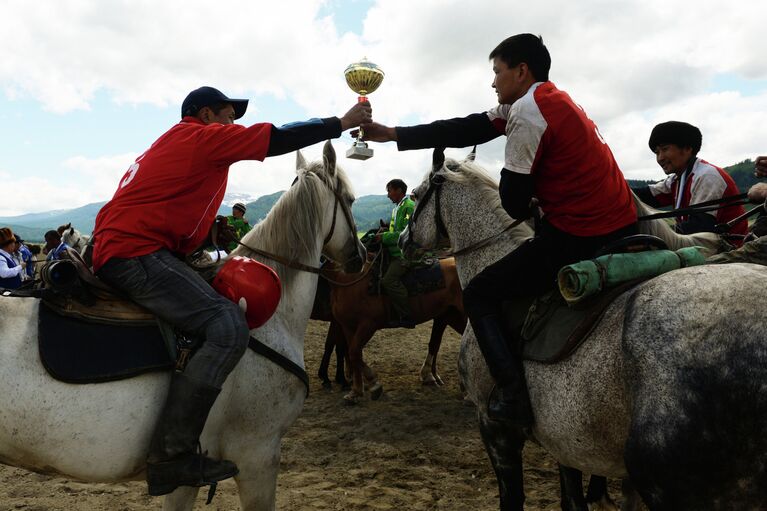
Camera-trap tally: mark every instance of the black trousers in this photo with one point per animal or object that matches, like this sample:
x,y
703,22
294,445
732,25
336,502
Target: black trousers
x,y
532,268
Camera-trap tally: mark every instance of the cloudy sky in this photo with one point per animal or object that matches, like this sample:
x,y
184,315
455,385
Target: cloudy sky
x,y
88,85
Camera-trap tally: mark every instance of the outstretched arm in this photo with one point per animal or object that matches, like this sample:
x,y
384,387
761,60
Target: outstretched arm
x,y
458,132
296,135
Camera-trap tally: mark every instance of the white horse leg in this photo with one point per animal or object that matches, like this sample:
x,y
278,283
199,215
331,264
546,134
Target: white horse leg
x,y
427,378
434,372
371,382
180,500
257,480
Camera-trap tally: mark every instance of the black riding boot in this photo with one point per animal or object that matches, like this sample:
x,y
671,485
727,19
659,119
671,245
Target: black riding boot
x,y
508,401
174,454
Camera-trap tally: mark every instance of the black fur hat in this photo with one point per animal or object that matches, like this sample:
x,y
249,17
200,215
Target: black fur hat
x,y
678,133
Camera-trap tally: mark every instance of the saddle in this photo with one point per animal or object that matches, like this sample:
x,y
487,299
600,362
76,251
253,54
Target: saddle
x,y
551,329
423,277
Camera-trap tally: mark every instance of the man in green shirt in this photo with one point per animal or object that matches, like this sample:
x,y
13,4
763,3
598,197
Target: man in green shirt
x,y
238,222
396,190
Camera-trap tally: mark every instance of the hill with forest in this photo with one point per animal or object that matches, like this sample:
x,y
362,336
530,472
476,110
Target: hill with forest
x,y
367,210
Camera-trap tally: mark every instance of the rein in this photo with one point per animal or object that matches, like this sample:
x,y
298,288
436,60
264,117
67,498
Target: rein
x,y
305,267
701,207
435,188
363,273
486,241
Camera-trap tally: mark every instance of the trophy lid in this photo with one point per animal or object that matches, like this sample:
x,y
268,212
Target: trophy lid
x,y
363,77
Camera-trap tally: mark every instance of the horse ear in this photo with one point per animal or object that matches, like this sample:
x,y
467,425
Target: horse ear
x,y
329,157
300,160
472,155
438,159
71,231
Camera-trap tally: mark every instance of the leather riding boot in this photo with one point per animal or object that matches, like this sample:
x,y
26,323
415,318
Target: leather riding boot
x,y
508,401
174,454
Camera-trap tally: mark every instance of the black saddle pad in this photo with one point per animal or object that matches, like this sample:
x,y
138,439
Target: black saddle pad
x,y
551,330
75,351
423,277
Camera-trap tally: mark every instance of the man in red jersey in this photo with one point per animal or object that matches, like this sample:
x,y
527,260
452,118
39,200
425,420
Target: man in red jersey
x,y
554,153
163,208
691,180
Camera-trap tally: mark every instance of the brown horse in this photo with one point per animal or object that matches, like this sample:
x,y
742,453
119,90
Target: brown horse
x,y
360,315
335,341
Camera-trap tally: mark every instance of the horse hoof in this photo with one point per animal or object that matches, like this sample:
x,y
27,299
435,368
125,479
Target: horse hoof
x,y
376,391
439,380
351,399
327,385
429,381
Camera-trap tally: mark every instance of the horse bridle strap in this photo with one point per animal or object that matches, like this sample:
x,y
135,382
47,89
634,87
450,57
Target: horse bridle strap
x,y
435,187
282,260
300,266
280,359
486,241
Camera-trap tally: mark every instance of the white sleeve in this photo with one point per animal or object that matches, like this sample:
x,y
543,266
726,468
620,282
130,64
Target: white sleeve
x,y
524,132
707,186
5,272
663,187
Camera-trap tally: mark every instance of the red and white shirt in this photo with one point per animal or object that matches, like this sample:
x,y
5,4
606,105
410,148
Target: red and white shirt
x,y
704,182
579,186
170,196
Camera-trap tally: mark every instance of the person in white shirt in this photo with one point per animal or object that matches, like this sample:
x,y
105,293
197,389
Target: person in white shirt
x,y
11,271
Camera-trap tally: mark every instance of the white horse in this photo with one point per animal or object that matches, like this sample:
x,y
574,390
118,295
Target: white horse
x,y
668,391
101,432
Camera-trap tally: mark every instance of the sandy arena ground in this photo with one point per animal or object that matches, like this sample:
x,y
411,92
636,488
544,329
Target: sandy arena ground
x,y
417,448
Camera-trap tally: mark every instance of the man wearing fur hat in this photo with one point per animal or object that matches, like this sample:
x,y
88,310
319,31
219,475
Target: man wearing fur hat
x,y
691,180
10,270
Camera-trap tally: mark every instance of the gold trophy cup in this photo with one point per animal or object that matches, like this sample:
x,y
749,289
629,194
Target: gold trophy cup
x,y
363,77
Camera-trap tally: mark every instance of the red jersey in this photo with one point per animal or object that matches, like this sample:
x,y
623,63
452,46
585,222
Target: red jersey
x,y
170,196
578,183
704,182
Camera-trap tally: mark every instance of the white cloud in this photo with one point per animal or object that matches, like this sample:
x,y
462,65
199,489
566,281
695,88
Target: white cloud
x,y
630,64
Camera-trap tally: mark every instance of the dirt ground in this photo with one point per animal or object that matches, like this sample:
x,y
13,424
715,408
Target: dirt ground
x,y
417,448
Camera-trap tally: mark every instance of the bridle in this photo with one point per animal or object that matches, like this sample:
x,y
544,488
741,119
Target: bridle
x,y
345,209
436,180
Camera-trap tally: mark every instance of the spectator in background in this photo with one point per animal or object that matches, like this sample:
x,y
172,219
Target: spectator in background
x,y
239,223
54,247
691,180
10,270
27,258
399,316
755,251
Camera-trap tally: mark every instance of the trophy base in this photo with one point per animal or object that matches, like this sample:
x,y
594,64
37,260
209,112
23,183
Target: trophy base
x,y
359,152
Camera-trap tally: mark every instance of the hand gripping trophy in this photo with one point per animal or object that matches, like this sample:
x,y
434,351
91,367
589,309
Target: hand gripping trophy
x,y
363,77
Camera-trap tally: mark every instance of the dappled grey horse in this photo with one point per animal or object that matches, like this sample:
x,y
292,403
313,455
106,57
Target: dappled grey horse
x,y
668,390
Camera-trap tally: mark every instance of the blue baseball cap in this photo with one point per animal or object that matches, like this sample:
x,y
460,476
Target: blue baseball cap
x,y
208,96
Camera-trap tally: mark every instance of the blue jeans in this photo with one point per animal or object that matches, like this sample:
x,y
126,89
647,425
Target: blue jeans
x,y
175,293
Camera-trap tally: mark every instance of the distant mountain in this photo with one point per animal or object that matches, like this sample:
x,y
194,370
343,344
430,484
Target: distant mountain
x,y
257,210
367,210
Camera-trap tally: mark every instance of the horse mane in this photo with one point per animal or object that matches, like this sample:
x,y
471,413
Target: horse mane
x,y
487,187
710,242
290,228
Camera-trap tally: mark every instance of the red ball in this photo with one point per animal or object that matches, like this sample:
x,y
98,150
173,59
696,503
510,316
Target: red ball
x,y
252,285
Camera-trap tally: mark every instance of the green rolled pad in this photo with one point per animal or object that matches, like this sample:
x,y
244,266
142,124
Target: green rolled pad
x,y
587,278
